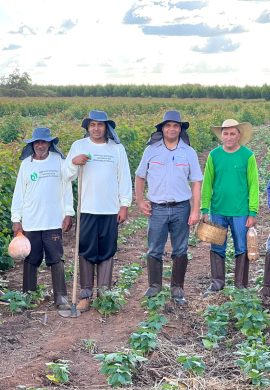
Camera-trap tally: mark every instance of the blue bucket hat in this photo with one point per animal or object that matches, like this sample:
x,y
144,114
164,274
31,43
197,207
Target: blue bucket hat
x,y
101,116
172,116
40,134
98,116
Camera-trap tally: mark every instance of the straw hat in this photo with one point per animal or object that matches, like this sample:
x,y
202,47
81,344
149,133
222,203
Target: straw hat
x,y
245,129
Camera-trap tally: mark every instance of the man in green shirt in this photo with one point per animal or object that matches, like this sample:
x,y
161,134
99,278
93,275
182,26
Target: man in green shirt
x,y
230,194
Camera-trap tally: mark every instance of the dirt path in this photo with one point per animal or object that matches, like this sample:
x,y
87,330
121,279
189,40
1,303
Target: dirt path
x,y
36,337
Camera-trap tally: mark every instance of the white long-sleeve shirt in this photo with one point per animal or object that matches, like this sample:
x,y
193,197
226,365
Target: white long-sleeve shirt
x,y
42,198
106,181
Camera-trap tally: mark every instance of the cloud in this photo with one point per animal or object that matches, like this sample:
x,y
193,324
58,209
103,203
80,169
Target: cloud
x,y
264,17
68,24
217,45
203,67
189,5
41,64
24,30
65,26
201,29
12,46
50,30
140,60
83,65
132,17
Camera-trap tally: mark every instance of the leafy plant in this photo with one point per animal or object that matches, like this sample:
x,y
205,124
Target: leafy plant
x,y
119,366
144,340
89,345
158,302
154,322
194,364
17,301
254,361
109,302
59,371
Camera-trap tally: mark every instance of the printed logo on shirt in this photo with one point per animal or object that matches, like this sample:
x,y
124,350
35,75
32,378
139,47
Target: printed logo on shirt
x,y
90,157
103,158
34,176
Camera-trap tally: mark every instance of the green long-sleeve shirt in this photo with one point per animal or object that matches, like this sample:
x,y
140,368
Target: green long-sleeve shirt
x,y
230,185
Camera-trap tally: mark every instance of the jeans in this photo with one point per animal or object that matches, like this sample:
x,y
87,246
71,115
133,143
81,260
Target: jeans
x,y
165,220
239,234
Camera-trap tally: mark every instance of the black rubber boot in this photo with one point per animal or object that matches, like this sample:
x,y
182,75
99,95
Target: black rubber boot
x,y
217,264
154,268
59,286
265,291
241,271
29,277
177,279
87,274
104,276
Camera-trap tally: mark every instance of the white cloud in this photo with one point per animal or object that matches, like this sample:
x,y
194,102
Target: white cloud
x,y
136,41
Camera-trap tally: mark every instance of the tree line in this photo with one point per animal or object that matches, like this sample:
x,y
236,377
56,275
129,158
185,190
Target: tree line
x,y
20,85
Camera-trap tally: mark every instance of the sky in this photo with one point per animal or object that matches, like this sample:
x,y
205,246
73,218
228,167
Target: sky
x,y
156,42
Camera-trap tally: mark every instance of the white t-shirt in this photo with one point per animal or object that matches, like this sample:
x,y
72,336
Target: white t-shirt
x,y
42,198
106,181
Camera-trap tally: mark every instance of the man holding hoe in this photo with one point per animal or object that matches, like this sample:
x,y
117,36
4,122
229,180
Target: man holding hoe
x,y
106,196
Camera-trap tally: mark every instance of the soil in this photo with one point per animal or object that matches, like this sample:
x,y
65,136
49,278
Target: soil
x,y
35,337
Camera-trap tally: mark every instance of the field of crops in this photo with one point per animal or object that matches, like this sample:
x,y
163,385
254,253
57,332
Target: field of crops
x,y
135,120
216,343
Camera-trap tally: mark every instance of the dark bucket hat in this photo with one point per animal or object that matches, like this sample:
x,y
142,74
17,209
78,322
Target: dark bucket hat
x,y
101,116
172,116
42,134
98,116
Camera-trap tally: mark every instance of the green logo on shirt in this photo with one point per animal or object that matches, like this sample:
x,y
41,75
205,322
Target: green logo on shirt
x,y
34,176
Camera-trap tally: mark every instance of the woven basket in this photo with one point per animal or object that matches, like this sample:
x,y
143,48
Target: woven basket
x,y
211,232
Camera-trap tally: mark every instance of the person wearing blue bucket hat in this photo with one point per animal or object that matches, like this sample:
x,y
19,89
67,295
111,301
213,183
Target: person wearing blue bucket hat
x,y
106,196
168,165
42,208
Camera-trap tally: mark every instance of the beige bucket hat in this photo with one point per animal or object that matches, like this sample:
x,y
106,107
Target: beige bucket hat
x,y
245,129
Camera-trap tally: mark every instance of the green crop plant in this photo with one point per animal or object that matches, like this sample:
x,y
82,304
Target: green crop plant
x,y
154,322
131,227
89,345
119,367
59,371
109,302
193,364
143,340
17,301
158,302
128,275
254,361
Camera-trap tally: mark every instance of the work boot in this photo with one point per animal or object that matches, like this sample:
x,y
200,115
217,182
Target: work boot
x,y
241,271
177,279
87,274
265,291
154,268
104,276
59,286
29,277
217,264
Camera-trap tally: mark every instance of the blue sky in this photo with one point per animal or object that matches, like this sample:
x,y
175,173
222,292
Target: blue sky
x,y
171,42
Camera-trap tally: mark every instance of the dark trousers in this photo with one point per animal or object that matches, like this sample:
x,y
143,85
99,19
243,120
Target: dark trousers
x,y
98,237
48,242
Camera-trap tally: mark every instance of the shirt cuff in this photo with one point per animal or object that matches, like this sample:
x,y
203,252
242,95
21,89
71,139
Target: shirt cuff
x,y
205,211
252,213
